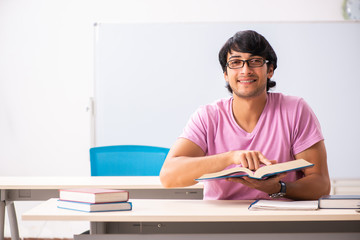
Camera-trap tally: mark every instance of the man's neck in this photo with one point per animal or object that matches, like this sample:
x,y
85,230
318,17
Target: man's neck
x,y
247,111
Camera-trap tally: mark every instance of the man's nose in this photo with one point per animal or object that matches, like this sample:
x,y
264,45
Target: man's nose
x,y
246,69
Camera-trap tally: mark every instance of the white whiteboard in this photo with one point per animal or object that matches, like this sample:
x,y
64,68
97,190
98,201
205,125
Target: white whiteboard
x,y
149,79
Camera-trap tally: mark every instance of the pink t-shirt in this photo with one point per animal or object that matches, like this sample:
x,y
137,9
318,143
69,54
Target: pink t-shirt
x,y
286,127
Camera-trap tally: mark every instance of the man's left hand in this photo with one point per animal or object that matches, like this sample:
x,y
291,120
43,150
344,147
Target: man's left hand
x,y
269,185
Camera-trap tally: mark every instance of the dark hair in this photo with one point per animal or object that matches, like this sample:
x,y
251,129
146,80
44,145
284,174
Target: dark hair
x,y
249,42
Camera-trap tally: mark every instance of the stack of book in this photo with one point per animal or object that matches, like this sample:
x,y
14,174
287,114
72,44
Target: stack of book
x,y
340,202
94,200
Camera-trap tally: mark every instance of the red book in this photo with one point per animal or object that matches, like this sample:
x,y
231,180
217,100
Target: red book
x,y
94,195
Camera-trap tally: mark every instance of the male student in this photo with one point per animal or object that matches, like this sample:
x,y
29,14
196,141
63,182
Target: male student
x,y
251,128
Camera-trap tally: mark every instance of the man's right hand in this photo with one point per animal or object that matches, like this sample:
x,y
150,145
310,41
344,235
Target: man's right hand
x,y
250,159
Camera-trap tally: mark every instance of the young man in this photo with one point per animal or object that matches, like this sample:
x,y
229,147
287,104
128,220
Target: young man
x,y
251,128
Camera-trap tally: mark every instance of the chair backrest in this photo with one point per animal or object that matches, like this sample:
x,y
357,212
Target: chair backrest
x,y
127,160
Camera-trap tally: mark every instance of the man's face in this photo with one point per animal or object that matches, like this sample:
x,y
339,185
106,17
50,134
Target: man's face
x,y
247,82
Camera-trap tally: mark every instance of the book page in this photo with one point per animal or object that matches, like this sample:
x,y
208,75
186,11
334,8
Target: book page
x,y
281,167
227,172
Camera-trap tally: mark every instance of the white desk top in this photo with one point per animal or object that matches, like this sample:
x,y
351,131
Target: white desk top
x,y
145,210
83,182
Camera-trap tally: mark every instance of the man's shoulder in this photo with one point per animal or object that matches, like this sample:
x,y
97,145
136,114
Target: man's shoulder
x,y
213,111
285,100
222,104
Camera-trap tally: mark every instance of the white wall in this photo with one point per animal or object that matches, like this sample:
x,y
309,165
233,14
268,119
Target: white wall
x,y
46,73
46,67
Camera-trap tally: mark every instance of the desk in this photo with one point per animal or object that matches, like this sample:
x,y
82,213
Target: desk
x,y
152,219
42,188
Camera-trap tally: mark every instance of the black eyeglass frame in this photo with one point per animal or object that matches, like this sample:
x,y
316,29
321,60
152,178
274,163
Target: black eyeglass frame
x,y
247,61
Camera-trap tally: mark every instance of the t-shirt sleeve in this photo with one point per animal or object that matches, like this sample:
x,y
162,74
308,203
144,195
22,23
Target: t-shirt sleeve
x,y
196,128
307,130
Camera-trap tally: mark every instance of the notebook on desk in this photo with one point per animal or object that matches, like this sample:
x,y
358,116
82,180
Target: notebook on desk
x,y
283,205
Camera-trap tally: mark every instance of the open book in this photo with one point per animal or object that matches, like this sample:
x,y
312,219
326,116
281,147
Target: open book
x,y
262,172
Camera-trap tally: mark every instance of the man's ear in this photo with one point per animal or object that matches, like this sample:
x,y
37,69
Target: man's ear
x,y
270,71
226,76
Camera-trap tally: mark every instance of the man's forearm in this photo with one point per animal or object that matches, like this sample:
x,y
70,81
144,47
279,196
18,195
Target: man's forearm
x,y
181,171
311,187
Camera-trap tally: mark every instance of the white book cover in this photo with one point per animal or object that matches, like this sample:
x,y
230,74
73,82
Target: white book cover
x,y
284,205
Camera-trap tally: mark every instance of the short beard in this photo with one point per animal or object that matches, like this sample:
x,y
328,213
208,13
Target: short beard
x,y
256,93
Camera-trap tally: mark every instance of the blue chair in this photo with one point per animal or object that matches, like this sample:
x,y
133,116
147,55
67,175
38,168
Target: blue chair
x,y
127,160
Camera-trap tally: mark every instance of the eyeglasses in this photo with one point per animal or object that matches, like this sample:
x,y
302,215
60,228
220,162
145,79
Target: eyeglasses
x,y
253,63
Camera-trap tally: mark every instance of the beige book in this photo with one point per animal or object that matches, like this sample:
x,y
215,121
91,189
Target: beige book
x,y
262,172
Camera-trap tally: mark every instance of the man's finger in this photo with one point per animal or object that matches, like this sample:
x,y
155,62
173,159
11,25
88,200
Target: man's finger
x,y
266,161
